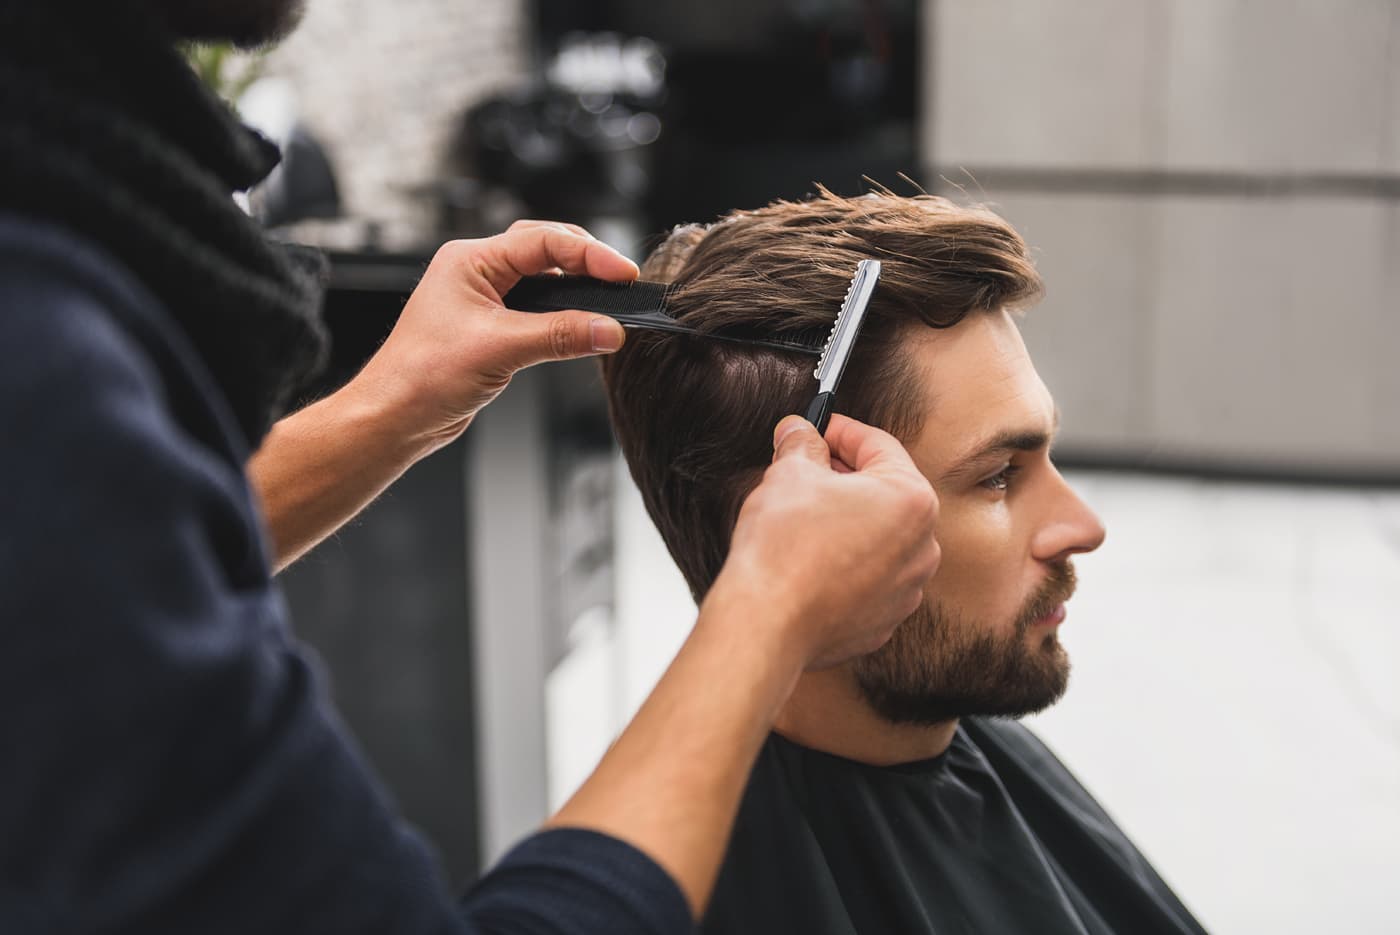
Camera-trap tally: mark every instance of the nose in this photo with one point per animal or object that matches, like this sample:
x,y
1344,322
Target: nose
x,y
1071,527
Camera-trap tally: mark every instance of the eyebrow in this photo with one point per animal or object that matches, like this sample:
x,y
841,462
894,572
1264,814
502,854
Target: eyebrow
x,y
1002,442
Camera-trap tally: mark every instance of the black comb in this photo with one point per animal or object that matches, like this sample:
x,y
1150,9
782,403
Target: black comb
x,y
636,304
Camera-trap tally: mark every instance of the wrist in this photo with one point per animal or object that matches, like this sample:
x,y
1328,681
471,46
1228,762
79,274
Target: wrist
x,y
386,415
372,421
767,622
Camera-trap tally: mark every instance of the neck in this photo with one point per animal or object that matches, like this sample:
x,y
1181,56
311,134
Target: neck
x,y
827,712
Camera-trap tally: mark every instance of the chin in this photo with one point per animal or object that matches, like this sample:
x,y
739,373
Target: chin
x,y
1049,644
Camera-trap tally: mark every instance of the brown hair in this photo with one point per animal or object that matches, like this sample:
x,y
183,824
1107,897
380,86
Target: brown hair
x,y
695,417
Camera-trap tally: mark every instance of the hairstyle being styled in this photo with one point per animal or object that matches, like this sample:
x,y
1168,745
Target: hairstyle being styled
x,y
695,417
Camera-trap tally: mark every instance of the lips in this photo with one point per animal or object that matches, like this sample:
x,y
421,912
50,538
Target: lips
x,y
1047,608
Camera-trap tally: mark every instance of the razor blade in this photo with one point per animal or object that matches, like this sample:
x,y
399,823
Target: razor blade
x,y
837,353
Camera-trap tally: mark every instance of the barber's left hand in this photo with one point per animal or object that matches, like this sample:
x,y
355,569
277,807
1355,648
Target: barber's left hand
x,y
456,346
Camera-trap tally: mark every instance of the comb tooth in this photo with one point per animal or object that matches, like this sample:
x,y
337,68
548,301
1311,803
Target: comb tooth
x,y
831,335
826,349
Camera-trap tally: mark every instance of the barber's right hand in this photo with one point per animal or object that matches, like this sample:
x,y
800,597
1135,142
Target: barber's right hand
x,y
841,555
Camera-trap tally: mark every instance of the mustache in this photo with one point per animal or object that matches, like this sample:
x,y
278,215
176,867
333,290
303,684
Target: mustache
x,y
1058,587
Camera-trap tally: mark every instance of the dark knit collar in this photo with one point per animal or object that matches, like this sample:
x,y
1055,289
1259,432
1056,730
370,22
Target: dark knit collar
x,y
106,131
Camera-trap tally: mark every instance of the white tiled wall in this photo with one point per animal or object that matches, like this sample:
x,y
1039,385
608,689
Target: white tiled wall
x,y
1258,84
383,85
1096,257
1391,161
1255,326
1038,84
1265,314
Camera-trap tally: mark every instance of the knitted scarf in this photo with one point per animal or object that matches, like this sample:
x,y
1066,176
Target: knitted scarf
x,y
106,131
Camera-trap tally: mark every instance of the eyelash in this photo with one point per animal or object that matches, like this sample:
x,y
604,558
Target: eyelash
x,y
1001,480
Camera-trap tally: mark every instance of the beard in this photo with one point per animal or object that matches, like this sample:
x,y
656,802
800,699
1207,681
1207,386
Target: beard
x,y
939,666
248,24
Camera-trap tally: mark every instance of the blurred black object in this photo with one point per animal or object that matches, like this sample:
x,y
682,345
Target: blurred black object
x,y
562,153
385,603
572,145
366,292
764,98
304,186
386,600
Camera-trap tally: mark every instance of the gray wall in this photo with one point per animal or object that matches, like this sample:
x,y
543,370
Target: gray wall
x,y
1213,189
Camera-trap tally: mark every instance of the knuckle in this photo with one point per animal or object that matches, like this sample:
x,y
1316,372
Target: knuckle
x,y
568,249
561,337
458,256
776,475
447,252
920,501
806,444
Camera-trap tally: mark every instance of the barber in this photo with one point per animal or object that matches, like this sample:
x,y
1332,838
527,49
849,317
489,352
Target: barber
x,y
171,762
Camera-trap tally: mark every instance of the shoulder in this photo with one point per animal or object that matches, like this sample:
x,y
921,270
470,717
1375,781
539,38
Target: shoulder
x,y
1010,738
576,879
1016,752
59,271
110,413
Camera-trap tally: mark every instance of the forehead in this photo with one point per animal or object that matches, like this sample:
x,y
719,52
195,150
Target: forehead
x,y
978,380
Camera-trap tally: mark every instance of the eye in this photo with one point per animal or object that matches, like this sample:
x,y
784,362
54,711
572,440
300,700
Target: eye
x,y
1001,480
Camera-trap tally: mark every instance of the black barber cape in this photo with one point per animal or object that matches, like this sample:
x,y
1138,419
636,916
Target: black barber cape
x,y
993,836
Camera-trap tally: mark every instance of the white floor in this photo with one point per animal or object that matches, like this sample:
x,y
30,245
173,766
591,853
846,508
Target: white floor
x,y
1234,704
1235,701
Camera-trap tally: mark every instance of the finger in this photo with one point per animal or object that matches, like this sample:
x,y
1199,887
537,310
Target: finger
x,y
866,448
841,467
795,437
524,251
562,225
525,339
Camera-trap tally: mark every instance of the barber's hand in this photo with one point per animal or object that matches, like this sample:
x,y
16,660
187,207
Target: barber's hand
x,y
845,554
456,346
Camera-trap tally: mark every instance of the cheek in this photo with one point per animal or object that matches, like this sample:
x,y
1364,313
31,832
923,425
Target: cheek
x,y
980,572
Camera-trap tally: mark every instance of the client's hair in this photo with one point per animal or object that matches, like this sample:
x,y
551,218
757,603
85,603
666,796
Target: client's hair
x,y
695,416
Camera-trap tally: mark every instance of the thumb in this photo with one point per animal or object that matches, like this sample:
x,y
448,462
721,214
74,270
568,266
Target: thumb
x,y
795,437
866,448
533,338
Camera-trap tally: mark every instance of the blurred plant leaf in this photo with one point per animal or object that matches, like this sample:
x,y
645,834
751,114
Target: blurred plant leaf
x,y
225,70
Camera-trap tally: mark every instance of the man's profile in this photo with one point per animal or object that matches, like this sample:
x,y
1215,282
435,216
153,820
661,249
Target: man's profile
x,y
891,798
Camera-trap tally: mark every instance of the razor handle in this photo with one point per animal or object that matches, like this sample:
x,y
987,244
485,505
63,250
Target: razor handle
x,y
819,411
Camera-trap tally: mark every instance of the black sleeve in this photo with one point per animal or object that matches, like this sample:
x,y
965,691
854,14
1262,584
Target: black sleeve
x,y
1128,891
577,881
169,762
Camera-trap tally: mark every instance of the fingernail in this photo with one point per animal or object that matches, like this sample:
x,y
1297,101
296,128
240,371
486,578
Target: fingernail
x,y
605,334
784,432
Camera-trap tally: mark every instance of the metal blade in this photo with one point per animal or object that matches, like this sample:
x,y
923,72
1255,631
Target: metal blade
x,y
847,325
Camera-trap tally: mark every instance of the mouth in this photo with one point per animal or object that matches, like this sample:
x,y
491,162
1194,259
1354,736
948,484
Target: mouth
x,y
1052,618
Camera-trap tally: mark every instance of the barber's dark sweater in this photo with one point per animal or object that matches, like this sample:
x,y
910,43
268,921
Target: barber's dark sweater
x,y
169,762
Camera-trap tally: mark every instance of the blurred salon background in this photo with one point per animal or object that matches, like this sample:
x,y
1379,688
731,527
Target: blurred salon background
x,y
1213,191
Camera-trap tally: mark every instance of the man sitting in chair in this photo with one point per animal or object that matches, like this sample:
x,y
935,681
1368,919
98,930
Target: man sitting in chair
x,y
896,794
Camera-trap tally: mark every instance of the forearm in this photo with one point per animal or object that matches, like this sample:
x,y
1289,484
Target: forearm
x,y
320,466
671,784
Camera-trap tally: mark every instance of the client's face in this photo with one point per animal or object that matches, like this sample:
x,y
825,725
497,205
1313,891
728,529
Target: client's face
x,y
246,23
986,640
